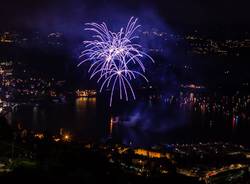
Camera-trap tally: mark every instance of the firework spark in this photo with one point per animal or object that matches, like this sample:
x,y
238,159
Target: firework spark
x,y
113,57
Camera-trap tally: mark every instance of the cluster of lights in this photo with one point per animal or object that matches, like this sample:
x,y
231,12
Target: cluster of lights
x,y
65,137
114,56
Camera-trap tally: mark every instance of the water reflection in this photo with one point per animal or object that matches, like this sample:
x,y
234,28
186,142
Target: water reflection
x,y
184,119
113,123
77,116
85,118
83,102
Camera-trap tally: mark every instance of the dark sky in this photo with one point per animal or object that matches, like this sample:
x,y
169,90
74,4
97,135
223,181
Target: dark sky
x,y
33,13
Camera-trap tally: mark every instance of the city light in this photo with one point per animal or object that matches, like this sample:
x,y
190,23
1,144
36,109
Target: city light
x,y
39,135
66,137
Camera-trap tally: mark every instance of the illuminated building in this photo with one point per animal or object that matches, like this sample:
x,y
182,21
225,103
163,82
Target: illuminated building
x,y
151,153
86,93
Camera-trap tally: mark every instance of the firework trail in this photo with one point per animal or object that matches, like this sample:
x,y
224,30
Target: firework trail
x,y
113,57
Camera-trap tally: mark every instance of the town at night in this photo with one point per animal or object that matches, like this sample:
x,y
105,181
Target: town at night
x,y
130,91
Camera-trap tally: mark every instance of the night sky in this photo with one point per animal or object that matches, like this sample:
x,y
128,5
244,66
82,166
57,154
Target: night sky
x,y
219,18
35,14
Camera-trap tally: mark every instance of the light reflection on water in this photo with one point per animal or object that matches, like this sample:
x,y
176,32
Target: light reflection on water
x,y
78,116
83,103
142,123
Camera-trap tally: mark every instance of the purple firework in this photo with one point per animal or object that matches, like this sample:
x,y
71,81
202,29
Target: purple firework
x,y
113,55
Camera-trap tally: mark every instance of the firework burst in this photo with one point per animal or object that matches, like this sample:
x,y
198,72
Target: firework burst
x,y
113,57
